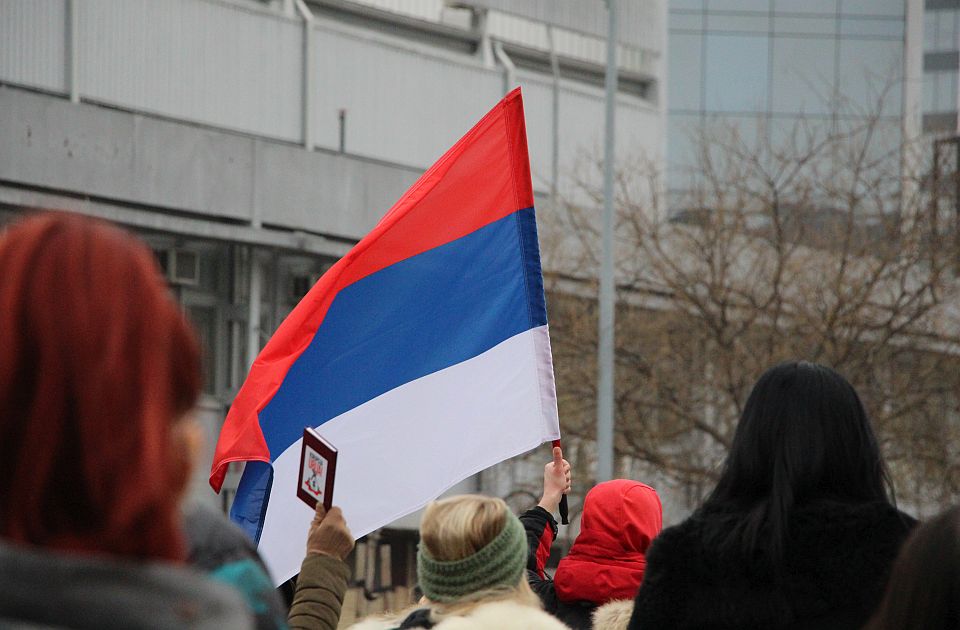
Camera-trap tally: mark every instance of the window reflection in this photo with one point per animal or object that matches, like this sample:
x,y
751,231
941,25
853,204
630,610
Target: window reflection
x,y
740,5
803,74
685,71
827,7
736,72
869,74
873,7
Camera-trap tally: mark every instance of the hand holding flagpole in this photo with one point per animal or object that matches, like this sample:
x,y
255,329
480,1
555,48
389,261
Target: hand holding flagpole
x,y
556,484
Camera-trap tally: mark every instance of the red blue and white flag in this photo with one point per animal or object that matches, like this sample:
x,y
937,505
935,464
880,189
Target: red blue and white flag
x,y
423,355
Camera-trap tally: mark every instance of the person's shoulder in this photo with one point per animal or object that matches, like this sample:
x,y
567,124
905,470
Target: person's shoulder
x,y
115,592
377,623
683,538
507,615
854,521
213,539
614,615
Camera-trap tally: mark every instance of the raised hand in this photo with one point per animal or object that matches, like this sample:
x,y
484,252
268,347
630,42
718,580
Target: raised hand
x,y
329,534
556,481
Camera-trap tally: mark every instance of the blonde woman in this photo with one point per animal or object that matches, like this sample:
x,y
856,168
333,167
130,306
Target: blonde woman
x,y
470,565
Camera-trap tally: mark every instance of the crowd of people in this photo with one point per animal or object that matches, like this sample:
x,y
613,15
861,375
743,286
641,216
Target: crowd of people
x,y
99,373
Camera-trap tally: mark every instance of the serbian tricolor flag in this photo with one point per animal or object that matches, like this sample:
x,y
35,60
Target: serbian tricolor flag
x,y
423,355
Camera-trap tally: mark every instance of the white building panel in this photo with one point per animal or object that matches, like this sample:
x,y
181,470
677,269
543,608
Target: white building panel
x,y
208,62
401,105
638,20
581,129
33,43
240,68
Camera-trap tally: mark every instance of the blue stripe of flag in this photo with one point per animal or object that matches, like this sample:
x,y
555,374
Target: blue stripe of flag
x,y
411,319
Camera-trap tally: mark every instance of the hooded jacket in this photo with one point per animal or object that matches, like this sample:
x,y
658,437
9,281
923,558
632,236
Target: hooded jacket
x,y
836,561
607,560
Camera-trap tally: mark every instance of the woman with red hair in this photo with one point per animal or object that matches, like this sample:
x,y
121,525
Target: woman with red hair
x,y
98,374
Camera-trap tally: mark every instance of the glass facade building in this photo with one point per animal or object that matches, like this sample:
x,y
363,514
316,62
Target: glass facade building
x,y
940,65
764,66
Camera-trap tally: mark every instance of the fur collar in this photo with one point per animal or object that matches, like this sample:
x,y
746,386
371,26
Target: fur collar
x,y
503,615
614,615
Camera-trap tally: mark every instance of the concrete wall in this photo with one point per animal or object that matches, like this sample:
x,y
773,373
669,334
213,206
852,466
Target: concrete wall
x,y
245,68
81,149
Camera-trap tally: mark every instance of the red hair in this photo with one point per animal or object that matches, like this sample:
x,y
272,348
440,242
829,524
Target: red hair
x,y
96,365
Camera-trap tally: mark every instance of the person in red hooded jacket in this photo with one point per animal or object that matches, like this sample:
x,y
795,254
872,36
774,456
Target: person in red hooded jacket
x,y
594,583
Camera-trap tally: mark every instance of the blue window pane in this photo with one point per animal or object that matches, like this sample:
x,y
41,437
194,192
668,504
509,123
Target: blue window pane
x,y
685,72
826,7
885,144
870,70
736,73
736,131
683,135
738,5
946,30
740,23
686,4
874,7
799,134
803,75
871,27
930,19
686,21
929,91
946,92
805,25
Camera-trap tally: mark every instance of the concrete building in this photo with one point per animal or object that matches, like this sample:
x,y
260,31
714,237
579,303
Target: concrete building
x,y
941,43
252,143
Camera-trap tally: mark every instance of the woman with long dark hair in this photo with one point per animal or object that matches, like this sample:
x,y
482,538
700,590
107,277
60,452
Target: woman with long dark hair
x,y
800,530
924,588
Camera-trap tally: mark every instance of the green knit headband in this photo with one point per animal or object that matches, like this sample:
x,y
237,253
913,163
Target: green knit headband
x,y
499,563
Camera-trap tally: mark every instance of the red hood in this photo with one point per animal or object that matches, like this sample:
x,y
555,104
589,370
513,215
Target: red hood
x,y
620,519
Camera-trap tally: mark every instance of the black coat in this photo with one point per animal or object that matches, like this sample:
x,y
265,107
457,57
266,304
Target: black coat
x,y
836,562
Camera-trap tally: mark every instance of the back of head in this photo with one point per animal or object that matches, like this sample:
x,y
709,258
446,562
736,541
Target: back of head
x,y
924,588
96,365
471,548
803,436
607,560
619,516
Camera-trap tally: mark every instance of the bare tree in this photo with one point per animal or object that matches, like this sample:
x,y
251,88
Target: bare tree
x,y
816,245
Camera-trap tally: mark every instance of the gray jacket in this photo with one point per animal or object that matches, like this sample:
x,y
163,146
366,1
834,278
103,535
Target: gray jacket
x,y
49,590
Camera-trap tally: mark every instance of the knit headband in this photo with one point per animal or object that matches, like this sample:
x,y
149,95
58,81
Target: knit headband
x,y
499,563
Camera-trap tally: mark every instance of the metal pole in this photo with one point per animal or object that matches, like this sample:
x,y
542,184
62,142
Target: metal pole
x,y
306,79
555,157
73,48
605,352
509,69
253,312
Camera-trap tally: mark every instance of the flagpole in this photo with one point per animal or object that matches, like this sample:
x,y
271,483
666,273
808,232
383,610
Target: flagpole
x,y
605,350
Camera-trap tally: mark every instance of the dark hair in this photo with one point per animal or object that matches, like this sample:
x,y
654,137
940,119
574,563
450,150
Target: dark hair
x,y
924,589
96,365
803,435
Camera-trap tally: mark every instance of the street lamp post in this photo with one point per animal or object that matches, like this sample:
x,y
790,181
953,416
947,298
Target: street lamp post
x,y
607,298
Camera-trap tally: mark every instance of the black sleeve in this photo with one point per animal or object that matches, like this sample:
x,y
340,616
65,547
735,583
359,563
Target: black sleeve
x,y
541,529
663,592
